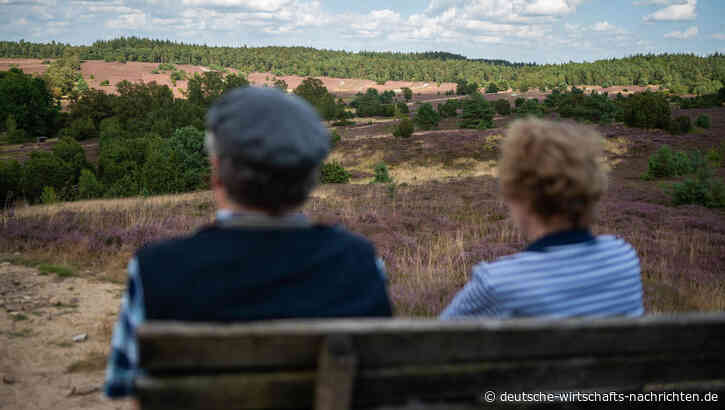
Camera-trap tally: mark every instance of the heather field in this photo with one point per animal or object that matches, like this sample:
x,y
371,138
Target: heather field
x,y
440,216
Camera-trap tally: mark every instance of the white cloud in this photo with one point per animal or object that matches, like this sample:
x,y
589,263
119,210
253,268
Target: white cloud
x,y
264,5
128,21
675,12
551,7
603,26
656,2
683,35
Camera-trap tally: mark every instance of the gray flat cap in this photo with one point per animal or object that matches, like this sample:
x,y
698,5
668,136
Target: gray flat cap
x,y
268,128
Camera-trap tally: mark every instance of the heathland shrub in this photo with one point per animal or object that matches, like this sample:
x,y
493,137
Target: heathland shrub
x,y
382,176
680,125
477,113
105,83
703,121
44,169
448,109
645,110
10,175
88,186
334,138
404,129
503,107
334,173
667,163
520,101
48,196
427,118
704,189
530,107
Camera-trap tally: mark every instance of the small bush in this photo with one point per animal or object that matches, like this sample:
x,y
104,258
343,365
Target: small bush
x,y
343,123
105,83
61,271
334,138
166,67
519,102
404,129
492,89
155,71
703,121
48,196
666,163
680,125
503,107
382,176
645,110
704,189
448,109
427,118
334,173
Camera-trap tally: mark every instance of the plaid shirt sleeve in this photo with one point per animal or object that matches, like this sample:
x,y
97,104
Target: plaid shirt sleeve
x,y
123,359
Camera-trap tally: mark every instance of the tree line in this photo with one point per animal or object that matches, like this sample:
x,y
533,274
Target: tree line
x,y
681,73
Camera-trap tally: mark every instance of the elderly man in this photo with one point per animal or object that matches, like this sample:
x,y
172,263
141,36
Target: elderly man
x,y
260,259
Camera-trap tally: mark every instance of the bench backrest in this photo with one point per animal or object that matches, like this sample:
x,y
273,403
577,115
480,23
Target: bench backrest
x,y
339,364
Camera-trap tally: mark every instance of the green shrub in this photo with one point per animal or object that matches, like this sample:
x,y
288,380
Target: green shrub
x,y
61,271
503,107
492,89
166,67
427,118
666,163
680,125
88,186
477,113
48,196
402,108
44,169
10,175
645,110
105,83
530,107
382,176
334,173
703,121
82,129
407,93
519,102
404,128
343,123
448,109
704,189
334,138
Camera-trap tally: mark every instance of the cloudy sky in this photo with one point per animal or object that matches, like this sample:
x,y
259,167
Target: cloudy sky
x,y
517,30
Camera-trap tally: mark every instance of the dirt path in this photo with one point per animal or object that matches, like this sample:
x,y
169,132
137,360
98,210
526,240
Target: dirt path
x,y
41,367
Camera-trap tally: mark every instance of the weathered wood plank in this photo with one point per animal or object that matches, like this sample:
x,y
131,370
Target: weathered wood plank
x,y
382,343
455,383
335,374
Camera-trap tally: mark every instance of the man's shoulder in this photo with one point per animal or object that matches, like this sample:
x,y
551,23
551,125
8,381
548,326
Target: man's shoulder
x,y
327,233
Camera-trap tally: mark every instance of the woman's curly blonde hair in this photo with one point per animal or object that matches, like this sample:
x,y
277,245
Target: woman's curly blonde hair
x,y
555,168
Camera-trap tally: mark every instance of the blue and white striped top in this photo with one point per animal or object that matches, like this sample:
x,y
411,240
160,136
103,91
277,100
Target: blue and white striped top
x,y
565,274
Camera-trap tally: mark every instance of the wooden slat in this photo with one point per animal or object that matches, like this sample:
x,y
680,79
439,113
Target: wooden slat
x,y
382,343
463,382
336,374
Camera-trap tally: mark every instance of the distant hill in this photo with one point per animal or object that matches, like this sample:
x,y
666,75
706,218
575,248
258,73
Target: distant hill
x,y
682,73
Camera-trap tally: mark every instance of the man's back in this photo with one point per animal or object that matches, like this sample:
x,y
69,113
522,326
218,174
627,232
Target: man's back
x,y
251,273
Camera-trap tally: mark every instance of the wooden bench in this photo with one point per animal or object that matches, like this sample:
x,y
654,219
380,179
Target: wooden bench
x,y
341,364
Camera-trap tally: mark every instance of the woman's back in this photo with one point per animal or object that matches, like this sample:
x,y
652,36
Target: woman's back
x,y
561,275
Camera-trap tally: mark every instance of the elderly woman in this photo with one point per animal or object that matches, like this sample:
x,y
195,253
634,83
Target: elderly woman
x,y
261,259
551,177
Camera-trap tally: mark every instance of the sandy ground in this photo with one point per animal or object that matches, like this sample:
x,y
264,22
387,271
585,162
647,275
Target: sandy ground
x,y
41,367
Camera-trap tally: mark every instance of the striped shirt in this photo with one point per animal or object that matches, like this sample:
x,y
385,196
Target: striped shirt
x,y
565,274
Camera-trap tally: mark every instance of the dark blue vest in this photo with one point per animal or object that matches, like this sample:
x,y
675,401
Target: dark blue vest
x,y
240,274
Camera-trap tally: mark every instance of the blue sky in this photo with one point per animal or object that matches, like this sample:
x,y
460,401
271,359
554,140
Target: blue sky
x,y
516,30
